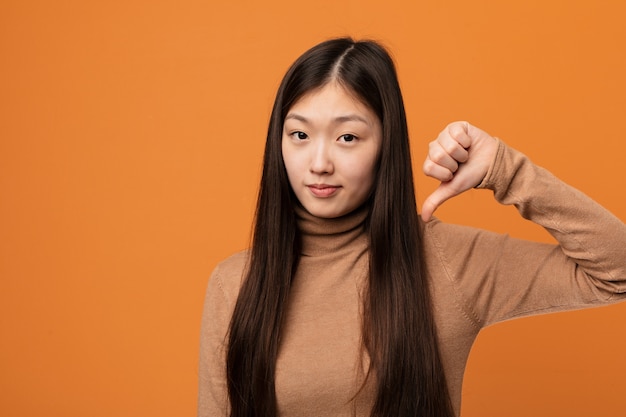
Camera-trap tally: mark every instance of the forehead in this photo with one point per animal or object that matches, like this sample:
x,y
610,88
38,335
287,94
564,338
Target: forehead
x,y
331,100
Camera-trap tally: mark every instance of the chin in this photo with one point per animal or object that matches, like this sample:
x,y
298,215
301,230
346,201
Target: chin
x,y
325,213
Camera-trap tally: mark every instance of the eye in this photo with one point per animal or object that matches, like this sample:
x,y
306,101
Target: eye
x,y
347,137
300,135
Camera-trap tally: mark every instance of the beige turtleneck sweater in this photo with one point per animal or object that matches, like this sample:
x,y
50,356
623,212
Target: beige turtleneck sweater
x,y
478,278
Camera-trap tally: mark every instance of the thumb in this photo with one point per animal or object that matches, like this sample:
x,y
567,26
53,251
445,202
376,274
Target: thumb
x,y
443,192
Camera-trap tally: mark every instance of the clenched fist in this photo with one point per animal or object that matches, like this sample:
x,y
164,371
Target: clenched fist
x,y
459,158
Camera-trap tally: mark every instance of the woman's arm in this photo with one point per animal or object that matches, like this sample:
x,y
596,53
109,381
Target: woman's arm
x,y
500,277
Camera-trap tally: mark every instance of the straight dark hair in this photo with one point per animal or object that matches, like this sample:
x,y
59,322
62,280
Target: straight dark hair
x,y
398,329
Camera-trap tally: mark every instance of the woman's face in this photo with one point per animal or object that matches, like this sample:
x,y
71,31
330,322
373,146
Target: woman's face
x,y
331,142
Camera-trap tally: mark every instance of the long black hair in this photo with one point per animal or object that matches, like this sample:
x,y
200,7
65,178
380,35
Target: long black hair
x,y
398,327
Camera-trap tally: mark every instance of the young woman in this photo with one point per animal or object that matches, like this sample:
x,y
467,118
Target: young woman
x,y
347,304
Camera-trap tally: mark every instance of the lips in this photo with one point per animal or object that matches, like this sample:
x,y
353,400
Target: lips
x,y
323,190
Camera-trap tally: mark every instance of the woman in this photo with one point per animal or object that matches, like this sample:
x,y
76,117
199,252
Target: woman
x,y
347,304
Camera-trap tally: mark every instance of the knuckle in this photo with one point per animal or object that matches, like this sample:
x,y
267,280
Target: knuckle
x,y
430,167
450,147
427,166
437,153
456,133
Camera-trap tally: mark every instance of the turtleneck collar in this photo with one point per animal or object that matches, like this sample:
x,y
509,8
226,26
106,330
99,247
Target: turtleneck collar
x,y
322,236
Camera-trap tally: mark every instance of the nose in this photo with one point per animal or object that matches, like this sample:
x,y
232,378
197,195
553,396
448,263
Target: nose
x,y
321,161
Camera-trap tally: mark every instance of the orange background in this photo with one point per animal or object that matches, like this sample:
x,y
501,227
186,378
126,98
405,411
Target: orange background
x,y
131,135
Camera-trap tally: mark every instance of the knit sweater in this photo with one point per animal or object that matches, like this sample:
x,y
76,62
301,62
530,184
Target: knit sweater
x,y
477,278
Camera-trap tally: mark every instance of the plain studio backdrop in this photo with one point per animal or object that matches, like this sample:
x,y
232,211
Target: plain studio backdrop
x,y
131,137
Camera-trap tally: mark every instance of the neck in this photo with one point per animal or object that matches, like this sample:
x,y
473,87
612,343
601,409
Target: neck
x,y
322,236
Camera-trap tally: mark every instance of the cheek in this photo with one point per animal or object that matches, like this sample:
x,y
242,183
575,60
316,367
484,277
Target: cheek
x,y
366,177
286,156
362,170
291,164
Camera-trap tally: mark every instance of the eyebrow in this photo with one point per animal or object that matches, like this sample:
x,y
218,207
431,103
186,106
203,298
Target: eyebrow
x,y
339,119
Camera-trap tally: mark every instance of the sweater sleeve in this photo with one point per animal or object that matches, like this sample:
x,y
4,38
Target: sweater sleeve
x,y
212,390
499,278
